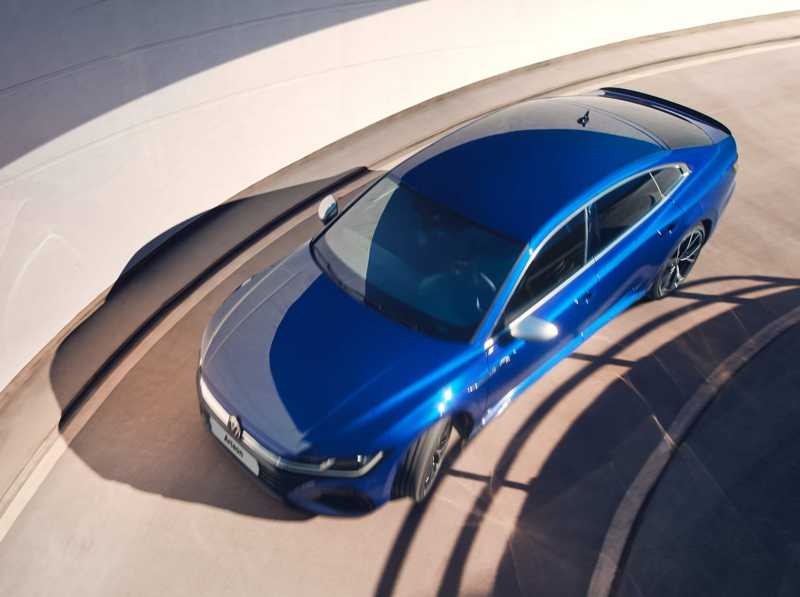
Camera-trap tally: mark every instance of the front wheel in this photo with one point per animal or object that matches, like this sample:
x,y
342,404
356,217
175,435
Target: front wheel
x,y
680,263
421,465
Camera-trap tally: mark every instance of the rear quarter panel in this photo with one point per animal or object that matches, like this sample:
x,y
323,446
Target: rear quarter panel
x,y
708,189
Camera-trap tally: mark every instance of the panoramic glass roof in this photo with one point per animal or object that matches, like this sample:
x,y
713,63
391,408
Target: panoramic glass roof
x,y
514,169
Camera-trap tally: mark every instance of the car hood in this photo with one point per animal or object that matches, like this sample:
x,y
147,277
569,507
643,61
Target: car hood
x,y
296,357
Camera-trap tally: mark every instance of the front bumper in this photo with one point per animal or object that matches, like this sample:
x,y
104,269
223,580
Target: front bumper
x,y
330,496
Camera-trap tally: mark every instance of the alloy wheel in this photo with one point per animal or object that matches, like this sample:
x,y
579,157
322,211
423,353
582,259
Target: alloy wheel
x,y
436,459
681,262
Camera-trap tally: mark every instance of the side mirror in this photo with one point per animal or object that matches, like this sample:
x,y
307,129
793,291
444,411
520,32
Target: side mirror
x,y
328,209
534,329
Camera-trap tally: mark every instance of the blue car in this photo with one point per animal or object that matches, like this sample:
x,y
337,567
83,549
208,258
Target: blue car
x,y
336,376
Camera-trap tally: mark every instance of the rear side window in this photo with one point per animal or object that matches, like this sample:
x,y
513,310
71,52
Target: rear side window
x,y
674,131
621,208
558,259
667,179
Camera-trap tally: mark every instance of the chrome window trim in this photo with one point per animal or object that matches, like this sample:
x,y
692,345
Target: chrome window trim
x,y
619,239
684,173
321,470
586,233
680,165
544,299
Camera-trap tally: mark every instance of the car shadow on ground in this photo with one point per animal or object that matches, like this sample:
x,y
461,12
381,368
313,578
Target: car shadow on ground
x,y
148,434
554,545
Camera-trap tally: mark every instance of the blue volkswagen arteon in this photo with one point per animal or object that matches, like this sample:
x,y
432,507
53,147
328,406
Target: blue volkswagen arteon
x,y
450,285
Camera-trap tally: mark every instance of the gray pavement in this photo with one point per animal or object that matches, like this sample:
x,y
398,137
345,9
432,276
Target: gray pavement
x,y
144,502
724,518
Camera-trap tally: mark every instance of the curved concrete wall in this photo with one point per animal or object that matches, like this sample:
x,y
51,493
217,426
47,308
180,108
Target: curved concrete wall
x,y
120,119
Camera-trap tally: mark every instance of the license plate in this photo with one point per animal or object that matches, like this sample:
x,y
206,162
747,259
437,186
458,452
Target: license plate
x,y
234,446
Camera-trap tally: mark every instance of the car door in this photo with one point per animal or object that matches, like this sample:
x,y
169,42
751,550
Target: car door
x,y
558,286
632,229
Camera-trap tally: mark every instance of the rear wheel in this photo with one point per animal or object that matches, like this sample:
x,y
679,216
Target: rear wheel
x,y
421,465
680,263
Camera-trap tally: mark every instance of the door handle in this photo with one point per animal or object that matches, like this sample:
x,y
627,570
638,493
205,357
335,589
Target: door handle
x,y
668,230
504,361
585,298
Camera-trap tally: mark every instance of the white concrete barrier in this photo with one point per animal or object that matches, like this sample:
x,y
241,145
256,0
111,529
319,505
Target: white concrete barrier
x,y
120,119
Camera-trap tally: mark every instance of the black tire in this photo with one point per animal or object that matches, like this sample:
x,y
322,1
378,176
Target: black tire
x,y
679,264
420,467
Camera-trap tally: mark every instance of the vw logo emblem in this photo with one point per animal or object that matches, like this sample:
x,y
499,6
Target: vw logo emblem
x,y
235,427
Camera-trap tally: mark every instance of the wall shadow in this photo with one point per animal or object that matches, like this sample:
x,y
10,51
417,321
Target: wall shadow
x,y
569,505
75,104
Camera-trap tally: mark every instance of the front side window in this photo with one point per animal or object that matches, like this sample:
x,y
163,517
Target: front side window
x,y
557,260
619,209
416,260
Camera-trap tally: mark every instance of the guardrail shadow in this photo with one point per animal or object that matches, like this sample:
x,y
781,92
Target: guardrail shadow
x,y
570,503
163,271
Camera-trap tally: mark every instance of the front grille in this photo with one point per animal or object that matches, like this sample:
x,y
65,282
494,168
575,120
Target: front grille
x,y
281,482
345,500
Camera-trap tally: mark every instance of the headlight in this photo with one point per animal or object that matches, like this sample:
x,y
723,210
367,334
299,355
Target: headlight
x,y
307,465
357,463
354,466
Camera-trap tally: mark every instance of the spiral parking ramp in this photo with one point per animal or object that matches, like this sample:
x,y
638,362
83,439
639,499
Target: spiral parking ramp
x,y
110,484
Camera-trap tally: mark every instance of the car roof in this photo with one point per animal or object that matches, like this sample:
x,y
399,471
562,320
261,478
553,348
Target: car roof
x,y
516,168
674,130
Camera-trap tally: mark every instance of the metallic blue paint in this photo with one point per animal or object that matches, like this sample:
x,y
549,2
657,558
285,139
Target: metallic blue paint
x,y
303,359
311,371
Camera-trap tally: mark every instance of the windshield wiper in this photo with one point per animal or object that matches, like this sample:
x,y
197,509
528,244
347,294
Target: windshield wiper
x,y
339,282
330,271
371,303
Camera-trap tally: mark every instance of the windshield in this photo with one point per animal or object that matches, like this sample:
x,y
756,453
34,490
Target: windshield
x,y
417,261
